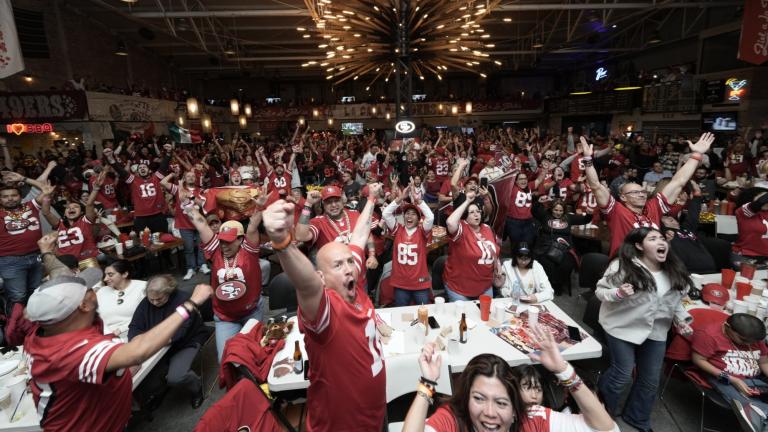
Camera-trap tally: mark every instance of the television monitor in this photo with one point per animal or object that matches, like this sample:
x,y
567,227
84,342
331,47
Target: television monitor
x,y
352,128
347,99
419,97
720,122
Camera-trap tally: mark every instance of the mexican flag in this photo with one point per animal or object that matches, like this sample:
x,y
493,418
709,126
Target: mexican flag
x,y
179,134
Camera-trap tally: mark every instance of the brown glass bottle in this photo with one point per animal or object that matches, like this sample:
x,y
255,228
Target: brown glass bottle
x,y
298,364
463,329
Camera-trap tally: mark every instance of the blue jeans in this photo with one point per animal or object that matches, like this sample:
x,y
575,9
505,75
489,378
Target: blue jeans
x,y
227,329
648,357
729,392
454,296
192,252
520,230
21,275
404,297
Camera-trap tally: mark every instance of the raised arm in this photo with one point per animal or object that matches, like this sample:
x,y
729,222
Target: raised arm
x,y
362,228
303,232
6,154
460,166
45,206
166,182
197,219
453,220
681,177
90,203
145,345
602,194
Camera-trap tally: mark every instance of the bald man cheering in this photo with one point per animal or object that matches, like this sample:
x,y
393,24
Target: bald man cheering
x,y
338,321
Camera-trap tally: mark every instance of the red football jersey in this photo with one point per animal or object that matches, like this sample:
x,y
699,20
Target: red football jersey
x,y
147,194
587,200
441,165
345,357
181,221
577,167
78,239
279,182
232,301
409,258
622,220
753,232
107,195
325,230
469,268
563,192
20,230
520,203
70,385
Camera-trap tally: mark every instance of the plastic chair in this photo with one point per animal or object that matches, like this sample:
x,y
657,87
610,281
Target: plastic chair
x,y
437,274
384,294
593,265
282,294
403,374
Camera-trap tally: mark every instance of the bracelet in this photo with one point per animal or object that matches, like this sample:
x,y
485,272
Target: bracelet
x,y
586,158
428,382
566,374
426,390
306,211
181,310
697,156
277,247
426,397
587,162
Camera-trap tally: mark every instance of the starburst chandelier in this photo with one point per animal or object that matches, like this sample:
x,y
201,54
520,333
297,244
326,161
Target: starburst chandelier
x,y
369,39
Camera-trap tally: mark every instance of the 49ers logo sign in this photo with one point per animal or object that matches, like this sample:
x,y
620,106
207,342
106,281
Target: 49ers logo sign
x,y
230,290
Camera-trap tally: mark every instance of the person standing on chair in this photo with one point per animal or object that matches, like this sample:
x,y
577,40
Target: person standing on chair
x,y
641,295
635,210
236,271
347,391
410,275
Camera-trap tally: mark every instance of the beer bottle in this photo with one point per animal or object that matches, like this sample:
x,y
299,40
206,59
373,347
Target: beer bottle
x,y
463,329
298,364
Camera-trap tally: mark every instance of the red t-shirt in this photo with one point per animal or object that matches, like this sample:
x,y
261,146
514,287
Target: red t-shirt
x,y
409,258
469,268
345,363
520,203
181,221
241,408
277,182
70,385
20,230
622,220
232,302
741,361
107,195
78,239
325,230
753,232
538,419
147,194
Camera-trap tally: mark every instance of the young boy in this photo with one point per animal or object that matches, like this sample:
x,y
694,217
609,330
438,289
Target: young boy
x,y
735,355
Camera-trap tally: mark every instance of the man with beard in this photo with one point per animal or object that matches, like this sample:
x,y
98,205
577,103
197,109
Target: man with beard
x,y
339,324
75,229
279,177
146,193
20,268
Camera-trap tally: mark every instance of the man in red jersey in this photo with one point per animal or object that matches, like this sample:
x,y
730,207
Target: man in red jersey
x,y
80,377
75,229
335,224
236,271
347,391
20,230
635,210
278,176
146,193
752,222
410,275
107,192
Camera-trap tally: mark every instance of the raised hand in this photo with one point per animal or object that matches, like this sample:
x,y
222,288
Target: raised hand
x,y
263,196
703,144
313,197
278,220
586,148
429,363
201,293
549,353
47,243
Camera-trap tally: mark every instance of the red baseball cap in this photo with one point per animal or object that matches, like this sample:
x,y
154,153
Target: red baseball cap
x,y
230,230
330,192
715,293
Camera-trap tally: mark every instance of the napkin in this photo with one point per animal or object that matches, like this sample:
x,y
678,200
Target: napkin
x,y
396,343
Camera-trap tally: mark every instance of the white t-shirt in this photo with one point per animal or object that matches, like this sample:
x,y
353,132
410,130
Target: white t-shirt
x,y
117,317
660,328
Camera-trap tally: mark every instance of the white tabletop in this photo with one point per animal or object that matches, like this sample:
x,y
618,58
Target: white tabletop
x,y
480,340
30,422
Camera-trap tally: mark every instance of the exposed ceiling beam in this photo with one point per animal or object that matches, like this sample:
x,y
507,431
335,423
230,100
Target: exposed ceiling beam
x,y
503,8
241,43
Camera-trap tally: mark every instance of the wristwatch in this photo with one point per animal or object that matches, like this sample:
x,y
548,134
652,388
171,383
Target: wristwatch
x,y
724,377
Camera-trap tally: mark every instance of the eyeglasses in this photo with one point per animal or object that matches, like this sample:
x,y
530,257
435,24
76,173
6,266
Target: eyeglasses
x,y
120,295
637,192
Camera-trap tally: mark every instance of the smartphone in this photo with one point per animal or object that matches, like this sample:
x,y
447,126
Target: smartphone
x,y
306,370
484,182
433,323
574,333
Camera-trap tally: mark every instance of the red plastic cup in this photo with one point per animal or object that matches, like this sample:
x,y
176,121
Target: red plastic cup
x,y
485,307
743,289
728,276
748,271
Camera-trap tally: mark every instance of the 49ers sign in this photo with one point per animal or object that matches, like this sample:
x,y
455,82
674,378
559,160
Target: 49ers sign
x,y
50,106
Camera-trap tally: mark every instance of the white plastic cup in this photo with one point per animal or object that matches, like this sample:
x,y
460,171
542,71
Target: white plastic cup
x,y
499,314
533,317
439,304
119,249
129,244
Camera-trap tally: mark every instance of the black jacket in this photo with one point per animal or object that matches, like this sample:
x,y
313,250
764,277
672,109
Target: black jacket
x,y
146,316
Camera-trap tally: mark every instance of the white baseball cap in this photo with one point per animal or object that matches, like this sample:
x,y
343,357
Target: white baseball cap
x,y
56,299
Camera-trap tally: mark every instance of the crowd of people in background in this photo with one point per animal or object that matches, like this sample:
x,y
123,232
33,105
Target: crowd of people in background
x,y
348,205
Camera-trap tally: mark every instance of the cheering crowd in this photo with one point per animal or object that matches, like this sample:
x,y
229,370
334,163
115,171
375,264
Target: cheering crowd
x,y
336,210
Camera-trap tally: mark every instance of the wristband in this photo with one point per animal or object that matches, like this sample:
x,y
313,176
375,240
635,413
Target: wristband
x,y
586,158
181,310
277,247
697,156
619,293
426,390
566,374
428,382
306,212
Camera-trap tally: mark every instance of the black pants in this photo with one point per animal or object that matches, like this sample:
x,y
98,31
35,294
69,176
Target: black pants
x,y
173,370
155,223
559,274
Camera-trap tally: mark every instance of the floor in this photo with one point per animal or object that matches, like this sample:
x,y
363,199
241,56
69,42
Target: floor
x,y
175,413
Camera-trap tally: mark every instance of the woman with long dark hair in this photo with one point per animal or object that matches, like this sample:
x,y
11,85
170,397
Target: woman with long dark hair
x,y
487,397
641,294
